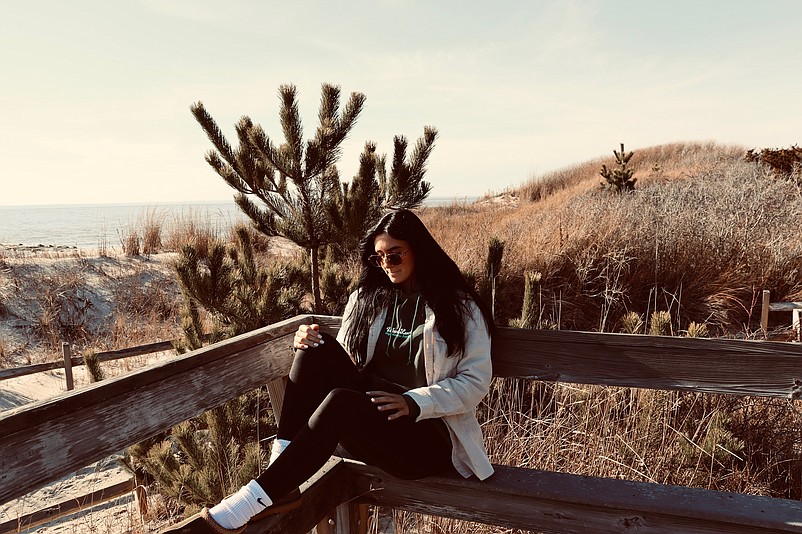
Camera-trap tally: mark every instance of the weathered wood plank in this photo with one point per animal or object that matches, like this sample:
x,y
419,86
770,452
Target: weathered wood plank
x,y
67,507
738,367
785,306
14,372
42,441
727,366
320,494
106,356
564,503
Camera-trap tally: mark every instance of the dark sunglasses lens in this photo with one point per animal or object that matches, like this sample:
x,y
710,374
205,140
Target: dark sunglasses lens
x,y
391,259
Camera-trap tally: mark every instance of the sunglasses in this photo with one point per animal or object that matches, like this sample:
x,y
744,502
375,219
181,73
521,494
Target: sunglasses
x,y
394,258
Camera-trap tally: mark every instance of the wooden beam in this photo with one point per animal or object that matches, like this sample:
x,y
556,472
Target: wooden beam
x,y
764,313
67,507
42,441
551,502
785,306
106,356
726,366
67,353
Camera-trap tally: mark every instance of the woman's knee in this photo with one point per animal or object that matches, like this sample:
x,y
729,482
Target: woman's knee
x,y
343,400
311,354
341,407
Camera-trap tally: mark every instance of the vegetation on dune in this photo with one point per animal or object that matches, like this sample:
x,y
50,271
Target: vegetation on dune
x,y
686,253
619,179
785,162
700,238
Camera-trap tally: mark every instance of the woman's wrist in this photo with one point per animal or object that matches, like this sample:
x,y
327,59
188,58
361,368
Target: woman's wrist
x,y
414,409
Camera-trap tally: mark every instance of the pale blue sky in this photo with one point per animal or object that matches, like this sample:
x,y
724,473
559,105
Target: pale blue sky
x,y
95,94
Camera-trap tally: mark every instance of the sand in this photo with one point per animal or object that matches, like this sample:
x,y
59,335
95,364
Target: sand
x,y
21,286
119,516
26,273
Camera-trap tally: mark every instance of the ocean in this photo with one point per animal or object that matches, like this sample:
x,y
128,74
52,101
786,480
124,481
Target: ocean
x,y
93,226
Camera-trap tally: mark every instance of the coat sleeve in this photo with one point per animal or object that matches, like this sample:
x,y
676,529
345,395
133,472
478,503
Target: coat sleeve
x,y
467,384
349,308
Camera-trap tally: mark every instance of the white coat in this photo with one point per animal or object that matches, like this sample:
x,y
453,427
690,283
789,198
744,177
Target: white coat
x,y
455,387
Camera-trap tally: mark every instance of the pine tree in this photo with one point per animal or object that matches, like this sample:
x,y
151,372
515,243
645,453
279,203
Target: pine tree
x,y
495,253
237,294
207,458
202,460
355,208
292,190
619,180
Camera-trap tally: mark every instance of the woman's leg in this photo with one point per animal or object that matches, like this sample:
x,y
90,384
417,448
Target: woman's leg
x,y
325,404
315,372
401,447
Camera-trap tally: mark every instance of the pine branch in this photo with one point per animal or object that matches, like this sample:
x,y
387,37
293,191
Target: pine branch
x,y
420,155
213,131
349,117
261,219
265,149
293,131
227,173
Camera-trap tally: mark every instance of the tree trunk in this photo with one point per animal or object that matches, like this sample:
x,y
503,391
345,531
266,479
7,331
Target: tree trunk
x,y
313,254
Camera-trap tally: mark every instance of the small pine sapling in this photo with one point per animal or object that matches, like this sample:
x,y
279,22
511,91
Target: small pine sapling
x,y
620,179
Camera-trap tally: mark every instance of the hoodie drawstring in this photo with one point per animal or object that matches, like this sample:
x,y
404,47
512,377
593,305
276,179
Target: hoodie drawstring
x,y
394,325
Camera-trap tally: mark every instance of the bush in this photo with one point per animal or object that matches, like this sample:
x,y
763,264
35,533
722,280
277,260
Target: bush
x,y
783,161
202,461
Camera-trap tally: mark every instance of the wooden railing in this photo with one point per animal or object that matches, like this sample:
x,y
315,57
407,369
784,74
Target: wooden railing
x,y
794,307
45,440
74,361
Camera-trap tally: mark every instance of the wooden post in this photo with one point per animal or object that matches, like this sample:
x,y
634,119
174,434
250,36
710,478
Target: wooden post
x,y
795,324
348,518
140,495
764,314
275,390
65,349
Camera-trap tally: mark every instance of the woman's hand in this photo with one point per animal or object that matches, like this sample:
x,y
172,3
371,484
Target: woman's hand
x,y
391,403
307,335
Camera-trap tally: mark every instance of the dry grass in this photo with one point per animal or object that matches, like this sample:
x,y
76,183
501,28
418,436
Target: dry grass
x,y
691,249
99,303
700,247
694,246
714,442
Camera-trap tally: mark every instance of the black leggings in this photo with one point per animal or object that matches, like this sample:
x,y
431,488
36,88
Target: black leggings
x,y
325,404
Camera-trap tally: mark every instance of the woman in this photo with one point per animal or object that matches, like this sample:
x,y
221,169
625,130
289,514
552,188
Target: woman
x,y
397,389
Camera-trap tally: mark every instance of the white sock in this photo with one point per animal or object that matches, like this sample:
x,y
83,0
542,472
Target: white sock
x,y
277,448
235,510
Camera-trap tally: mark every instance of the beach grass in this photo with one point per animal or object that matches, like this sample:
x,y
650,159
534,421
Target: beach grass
x,y
703,234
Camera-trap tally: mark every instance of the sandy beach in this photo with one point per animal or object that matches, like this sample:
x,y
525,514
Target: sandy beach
x,y
24,276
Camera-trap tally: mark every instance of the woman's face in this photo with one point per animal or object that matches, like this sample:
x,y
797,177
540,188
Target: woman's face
x,y
402,274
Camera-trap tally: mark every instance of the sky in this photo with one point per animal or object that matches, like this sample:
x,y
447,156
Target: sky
x,y
95,94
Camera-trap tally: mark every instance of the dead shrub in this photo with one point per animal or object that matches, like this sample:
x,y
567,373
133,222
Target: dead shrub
x,y
130,242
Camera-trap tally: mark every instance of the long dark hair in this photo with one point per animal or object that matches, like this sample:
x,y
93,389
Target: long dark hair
x,y
442,285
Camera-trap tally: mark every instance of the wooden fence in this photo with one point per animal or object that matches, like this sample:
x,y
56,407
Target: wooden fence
x,y
73,361
45,440
98,496
794,307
